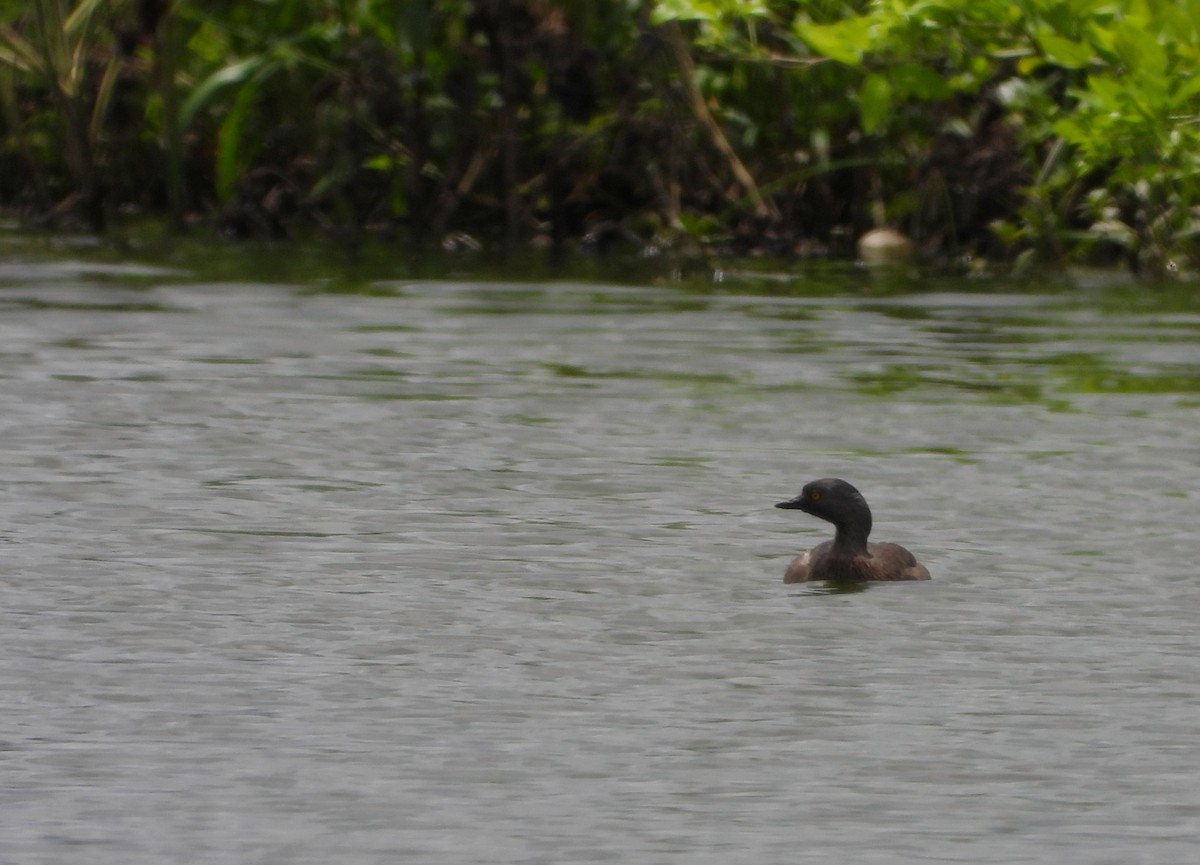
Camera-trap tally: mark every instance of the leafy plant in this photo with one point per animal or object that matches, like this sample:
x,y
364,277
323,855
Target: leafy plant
x,y
1027,129
56,46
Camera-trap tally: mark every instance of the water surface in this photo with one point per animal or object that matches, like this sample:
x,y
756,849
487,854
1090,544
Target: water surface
x,y
446,571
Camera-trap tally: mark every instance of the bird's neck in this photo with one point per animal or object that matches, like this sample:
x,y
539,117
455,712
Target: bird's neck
x,y
850,540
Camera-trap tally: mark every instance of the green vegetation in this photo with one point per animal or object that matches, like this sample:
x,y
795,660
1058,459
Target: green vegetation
x,y
1001,130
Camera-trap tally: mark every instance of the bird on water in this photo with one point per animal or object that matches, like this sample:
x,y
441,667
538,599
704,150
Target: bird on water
x,y
848,557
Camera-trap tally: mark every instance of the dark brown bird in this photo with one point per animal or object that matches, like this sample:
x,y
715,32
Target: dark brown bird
x,y
848,557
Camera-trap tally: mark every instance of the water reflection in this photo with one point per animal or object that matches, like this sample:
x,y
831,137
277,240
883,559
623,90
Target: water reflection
x,y
836,587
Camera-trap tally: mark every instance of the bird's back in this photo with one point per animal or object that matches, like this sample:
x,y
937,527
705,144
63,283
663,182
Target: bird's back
x,y
885,562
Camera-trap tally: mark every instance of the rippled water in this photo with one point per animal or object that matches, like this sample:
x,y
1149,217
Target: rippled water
x,y
451,572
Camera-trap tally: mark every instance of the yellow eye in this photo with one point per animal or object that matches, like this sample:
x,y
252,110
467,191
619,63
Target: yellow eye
x,y
814,496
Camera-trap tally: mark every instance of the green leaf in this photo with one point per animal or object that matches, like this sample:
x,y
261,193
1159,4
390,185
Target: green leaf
x,y
1107,93
682,10
844,41
919,82
229,140
1063,52
233,75
1141,52
15,51
706,10
875,102
80,17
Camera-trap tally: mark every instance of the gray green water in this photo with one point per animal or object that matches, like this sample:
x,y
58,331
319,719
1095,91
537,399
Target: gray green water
x,y
321,570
